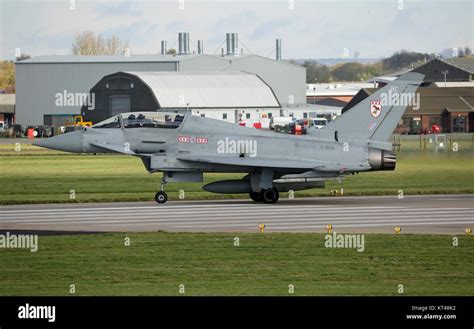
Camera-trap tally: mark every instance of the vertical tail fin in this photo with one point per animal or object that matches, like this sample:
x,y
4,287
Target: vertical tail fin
x,y
377,116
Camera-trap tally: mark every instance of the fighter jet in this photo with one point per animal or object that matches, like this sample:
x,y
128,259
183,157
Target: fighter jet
x,y
183,146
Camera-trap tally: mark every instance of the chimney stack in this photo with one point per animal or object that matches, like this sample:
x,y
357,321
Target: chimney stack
x,y
163,47
200,47
232,44
278,49
183,43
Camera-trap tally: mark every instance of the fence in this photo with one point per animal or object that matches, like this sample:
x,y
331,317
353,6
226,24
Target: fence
x,y
433,142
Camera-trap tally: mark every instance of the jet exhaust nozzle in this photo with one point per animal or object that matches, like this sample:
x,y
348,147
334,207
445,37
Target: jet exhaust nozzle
x,y
382,159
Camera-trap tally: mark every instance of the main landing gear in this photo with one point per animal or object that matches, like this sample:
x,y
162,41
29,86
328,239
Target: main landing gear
x,y
269,195
161,196
256,196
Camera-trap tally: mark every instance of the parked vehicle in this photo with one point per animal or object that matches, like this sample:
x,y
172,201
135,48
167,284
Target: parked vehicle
x,y
280,121
320,122
293,128
15,131
79,121
43,131
435,129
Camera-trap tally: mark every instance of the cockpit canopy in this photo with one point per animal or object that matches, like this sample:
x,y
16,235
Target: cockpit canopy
x,y
142,120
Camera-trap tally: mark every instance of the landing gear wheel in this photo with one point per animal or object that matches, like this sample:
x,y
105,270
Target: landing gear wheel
x,y
256,196
161,197
270,195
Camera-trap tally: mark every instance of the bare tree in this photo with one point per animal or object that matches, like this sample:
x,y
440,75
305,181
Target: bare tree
x,y
115,46
90,43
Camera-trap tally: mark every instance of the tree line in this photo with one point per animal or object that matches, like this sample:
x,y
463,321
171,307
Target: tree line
x,y
355,71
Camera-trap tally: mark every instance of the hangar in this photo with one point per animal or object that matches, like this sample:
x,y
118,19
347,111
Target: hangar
x,y
449,70
41,80
228,96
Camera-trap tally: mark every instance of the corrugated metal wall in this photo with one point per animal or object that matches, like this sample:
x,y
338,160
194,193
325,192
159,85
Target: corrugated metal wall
x,y
287,81
38,83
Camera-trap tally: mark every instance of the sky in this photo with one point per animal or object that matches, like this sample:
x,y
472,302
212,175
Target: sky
x,y
308,29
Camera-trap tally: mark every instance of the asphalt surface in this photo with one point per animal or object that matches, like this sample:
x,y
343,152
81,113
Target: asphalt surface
x,y
449,214
22,140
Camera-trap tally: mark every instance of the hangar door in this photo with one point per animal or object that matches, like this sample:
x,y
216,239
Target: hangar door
x,y
119,104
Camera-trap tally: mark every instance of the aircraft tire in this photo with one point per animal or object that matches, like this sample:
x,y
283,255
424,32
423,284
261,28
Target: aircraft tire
x,y
161,197
256,196
270,195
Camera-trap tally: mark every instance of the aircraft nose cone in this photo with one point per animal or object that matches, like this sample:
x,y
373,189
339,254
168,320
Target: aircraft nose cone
x,y
68,142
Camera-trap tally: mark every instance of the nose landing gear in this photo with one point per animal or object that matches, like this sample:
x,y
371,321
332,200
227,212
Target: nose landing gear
x,y
161,196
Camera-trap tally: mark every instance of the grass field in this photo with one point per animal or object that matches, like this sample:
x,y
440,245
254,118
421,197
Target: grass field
x,y
36,175
263,264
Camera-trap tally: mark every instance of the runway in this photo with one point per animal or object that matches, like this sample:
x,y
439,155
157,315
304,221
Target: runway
x,y
433,214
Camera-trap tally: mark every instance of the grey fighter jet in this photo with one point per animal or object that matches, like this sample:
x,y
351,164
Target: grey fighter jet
x,y
183,146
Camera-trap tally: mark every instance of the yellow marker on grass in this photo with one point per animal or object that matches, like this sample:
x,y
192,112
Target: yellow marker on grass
x,y
329,228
